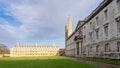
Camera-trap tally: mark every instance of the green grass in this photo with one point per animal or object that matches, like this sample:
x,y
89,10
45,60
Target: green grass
x,y
41,62
114,62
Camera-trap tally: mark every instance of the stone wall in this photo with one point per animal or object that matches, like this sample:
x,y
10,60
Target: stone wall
x,y
99,32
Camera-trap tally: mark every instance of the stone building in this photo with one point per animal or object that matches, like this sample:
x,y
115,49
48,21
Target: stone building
x,y
22,50
98,35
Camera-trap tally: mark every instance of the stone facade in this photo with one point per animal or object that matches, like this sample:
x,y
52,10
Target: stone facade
x,y
98,35
21,50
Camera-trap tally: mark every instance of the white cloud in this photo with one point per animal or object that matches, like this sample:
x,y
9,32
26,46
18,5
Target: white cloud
x,y
44,18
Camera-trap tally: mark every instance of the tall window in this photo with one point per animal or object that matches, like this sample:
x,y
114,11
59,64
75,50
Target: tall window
x,y
84,38
91,49
97,21
107,49
118,4
118,27
91,36
91,25
77,48
118,47
97,48
97,33
106,29
106,14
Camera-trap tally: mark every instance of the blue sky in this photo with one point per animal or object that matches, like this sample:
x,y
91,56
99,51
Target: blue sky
x,y
41,21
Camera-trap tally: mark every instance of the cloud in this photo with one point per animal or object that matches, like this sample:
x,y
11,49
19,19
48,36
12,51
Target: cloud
x,y
42,19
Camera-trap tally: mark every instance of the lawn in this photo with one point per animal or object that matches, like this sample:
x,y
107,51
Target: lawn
x,y
108,61
41,62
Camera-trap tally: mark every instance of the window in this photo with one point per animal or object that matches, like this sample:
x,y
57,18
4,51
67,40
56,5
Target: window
x,y
97,48
84,38
91,49
106,14
97,33
97,21
91,25
77,48
84,29
118,27
107,49
91,36
118,47
80,33
118,4
106,29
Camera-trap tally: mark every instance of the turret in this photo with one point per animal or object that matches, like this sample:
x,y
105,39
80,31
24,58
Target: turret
x,y
68,28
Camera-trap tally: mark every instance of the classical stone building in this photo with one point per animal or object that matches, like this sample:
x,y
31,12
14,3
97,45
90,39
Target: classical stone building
x,y
22,50
98,35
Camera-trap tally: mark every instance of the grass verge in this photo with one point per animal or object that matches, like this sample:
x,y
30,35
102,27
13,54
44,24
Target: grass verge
x,y
108,61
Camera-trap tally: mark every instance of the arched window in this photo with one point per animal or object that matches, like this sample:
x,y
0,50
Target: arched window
x,y
118,47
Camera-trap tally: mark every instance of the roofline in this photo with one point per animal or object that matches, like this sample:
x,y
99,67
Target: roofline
x,y
101,6
98,9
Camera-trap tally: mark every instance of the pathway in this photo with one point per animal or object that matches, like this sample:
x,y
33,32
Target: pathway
x,y
97,64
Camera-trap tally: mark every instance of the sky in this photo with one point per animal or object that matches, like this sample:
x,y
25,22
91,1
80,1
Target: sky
x,y
40,21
